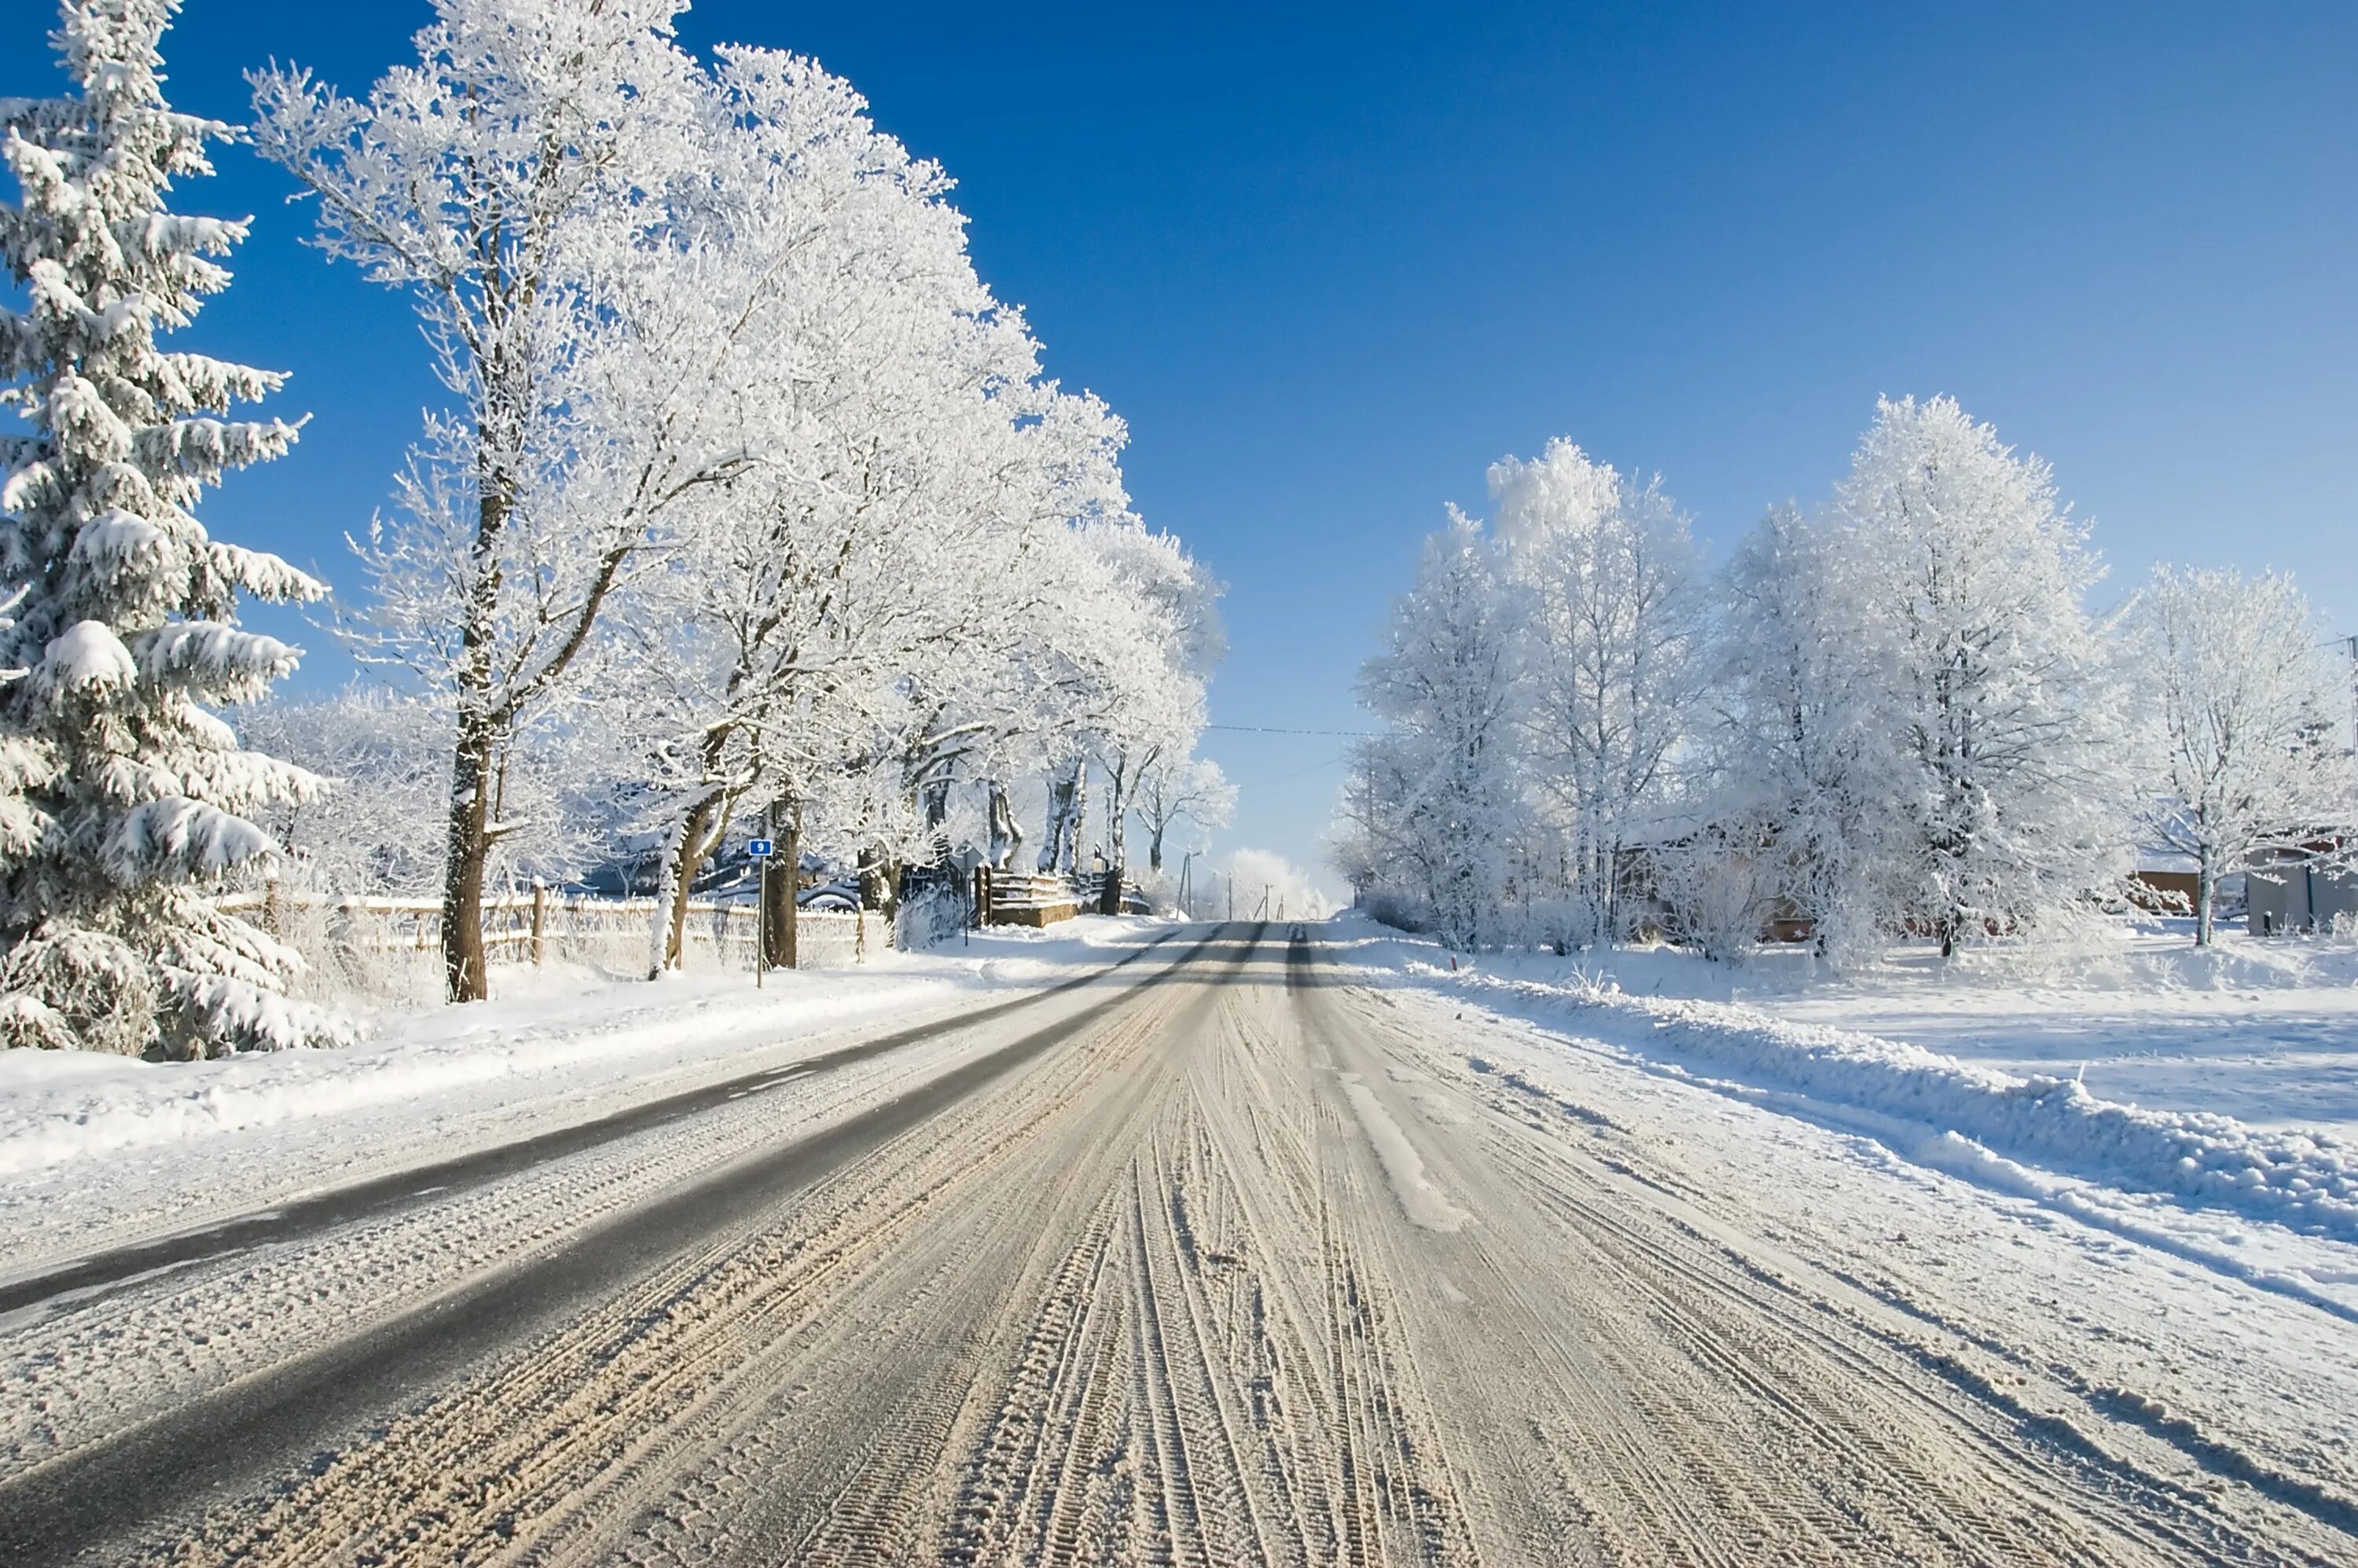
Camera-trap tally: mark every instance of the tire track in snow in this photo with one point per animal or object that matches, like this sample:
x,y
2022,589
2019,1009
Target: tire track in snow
x,y
1162,1296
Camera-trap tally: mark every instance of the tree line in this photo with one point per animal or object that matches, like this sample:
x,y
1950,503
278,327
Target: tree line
x,y
1898,714
749,510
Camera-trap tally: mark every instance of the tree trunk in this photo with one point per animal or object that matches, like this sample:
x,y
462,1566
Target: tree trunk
x,y
785,870
467,849
659,921
1063,826
2206,894
1155,848
1006,833
700,836
1117,822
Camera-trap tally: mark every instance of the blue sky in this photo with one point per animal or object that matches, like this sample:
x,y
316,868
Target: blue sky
x,y
1330,264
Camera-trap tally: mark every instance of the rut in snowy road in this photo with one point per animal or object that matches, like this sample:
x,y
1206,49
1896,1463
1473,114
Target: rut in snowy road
x,y
1225,1270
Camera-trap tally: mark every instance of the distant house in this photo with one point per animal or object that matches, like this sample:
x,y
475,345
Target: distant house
x,y
2294,890
2165,883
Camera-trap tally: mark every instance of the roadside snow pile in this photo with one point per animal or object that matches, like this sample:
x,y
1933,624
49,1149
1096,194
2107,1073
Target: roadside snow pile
x,y
58,1106
561,1033
2308,1182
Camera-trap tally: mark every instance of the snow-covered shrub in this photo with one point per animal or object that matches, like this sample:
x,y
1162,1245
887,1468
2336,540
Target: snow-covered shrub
x,y
1719,896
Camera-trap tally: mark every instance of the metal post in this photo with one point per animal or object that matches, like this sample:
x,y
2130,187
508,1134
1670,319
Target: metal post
x,y
762,925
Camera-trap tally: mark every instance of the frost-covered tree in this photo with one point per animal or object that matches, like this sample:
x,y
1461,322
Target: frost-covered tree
x,y
1801,744
1445,804
130,801
1609,615
2235,688
1270,887
1174,790
533,184
928,567
2005,808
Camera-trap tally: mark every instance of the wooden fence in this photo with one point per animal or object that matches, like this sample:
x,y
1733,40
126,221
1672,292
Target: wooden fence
x,y
1014,898
392,947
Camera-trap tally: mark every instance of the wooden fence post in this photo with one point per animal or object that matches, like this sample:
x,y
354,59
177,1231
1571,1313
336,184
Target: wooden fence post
x,y
539,917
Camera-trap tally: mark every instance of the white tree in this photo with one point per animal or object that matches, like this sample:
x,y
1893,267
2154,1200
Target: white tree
x,y
1610,617
531,183
2245,712
132,800
1801,741
1270,887
1444,776
1181,789
383,760
928,562
2006,808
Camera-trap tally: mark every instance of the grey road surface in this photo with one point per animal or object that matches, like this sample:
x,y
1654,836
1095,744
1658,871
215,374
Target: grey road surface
x,y
1205,1261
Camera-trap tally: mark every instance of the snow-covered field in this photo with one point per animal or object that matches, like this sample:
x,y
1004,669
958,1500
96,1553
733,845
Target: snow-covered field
x,y
95,1147
2266,1032
2198,1104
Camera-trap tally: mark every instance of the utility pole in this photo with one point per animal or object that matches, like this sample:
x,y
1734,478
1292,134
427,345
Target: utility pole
x,y
2351,644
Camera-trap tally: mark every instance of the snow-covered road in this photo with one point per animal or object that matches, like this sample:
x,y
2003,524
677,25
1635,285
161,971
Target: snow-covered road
x,y
1231,1257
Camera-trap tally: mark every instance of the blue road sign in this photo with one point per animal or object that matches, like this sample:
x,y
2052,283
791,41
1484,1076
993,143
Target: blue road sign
x,y
758,847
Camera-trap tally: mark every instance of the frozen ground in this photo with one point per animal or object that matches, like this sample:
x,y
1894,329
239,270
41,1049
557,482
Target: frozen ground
x,y
1266,1248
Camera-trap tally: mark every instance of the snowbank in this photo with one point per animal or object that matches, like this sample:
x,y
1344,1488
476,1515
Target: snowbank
x,y
2307,1181
555,1031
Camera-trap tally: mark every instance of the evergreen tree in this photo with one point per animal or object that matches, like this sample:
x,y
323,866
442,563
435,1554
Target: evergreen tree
x,y
129,798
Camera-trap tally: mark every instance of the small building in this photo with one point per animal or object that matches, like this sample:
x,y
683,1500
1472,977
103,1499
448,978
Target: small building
x,y
2294,893
2167,881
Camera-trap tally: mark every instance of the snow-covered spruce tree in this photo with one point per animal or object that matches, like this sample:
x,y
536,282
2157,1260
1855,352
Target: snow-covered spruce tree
x,y
2005,808
2236,689
130,799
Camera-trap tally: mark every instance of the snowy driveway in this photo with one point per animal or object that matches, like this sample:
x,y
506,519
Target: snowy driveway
x,y
1230,1258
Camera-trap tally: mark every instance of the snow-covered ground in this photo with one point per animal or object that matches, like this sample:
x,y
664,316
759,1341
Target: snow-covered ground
x,y
96,1148
2104,1091
2266,1032
1578,1272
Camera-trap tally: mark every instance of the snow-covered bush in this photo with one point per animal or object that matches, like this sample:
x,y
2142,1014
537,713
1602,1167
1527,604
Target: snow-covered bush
x,y
1719,892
